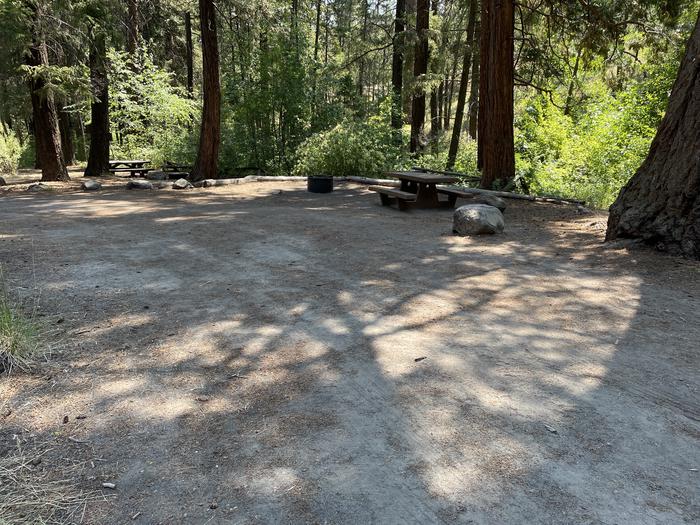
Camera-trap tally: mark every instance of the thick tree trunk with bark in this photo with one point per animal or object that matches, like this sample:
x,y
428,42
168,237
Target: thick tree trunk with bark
x,y
661,203
47,133
496,148
206,165
397,65
463,83
420,69
189,54
474,90
133,25
98,159
65,124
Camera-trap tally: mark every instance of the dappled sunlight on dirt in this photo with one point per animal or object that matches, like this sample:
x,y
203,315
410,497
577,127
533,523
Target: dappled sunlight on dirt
x,y
307,358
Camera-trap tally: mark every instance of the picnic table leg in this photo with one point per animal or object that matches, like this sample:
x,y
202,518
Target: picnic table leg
x,y
427,196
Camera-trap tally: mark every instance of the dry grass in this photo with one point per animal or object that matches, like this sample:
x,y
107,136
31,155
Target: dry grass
x,y
30,494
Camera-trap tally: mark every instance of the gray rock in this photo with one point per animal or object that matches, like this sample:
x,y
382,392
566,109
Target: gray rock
x,y
181,184
3,182
156,175
139,185
91,185
160,184
477,219
490,200
38,186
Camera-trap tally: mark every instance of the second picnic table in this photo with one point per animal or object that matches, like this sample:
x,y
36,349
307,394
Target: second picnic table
x,y
418,190
133,167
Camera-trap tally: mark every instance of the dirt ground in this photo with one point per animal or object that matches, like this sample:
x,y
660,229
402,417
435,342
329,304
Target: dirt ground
x,y
259,354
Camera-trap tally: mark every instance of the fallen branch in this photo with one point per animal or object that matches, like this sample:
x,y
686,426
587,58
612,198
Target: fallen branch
x,y
518,196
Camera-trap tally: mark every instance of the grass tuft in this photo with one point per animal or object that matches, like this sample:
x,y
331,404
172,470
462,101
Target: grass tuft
x,y
19,336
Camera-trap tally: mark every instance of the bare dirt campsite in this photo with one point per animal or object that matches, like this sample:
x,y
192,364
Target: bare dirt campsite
x,y
260,354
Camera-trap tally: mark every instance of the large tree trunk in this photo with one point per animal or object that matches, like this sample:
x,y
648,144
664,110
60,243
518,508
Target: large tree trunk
x,y
496,149
474,90
98,159
47,134
420,69
189,53
133,26
397,65
206,165
661,203
464,81
65,123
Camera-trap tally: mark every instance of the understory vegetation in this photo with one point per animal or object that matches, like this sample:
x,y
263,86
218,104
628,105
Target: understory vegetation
x,y
309,91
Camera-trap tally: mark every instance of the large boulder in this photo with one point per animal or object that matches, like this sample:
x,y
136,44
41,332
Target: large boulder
x,y
182,184
91,185
477,219
139,185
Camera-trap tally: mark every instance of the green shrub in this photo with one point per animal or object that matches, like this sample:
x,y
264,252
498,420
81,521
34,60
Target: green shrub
x,y
10,152
364,149
150,118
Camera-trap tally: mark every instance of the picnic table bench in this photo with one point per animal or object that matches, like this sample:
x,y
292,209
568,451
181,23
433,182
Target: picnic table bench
x,y
176,171
418,190
133,167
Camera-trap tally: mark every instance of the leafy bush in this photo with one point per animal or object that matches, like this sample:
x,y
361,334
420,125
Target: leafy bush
x,y
366,149
10,152
150,118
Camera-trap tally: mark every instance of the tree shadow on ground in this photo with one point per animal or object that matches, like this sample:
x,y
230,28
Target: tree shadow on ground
x,y
259,358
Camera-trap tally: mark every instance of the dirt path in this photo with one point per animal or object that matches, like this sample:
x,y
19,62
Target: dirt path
x,y
254,355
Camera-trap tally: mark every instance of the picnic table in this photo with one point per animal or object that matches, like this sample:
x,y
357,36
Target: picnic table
x,y
418,190
133,167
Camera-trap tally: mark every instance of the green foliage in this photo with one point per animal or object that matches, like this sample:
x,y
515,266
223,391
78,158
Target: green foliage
x,y
19,337
592,154
151,118
10,152
360,148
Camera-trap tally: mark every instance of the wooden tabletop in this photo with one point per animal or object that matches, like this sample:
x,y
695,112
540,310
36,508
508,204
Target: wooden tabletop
x,y
129,161
422,177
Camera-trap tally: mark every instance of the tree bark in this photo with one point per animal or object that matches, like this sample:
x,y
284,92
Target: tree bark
x,y
661,203
65,124
98,158
206,165
474,90
463,82
420,69
46,130
189,54
133,25
496,143
435,122
397,65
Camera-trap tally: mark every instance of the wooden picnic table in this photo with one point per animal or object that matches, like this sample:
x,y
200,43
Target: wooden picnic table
x,y
418,190
133,167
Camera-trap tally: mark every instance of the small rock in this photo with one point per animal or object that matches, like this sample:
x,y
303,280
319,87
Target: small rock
x,y
182,184
477,219
582,210
91,185
65,419
109,485
551,429
38,186
35,461
156,175
3,182
202,398
139,185
81,416
213,505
